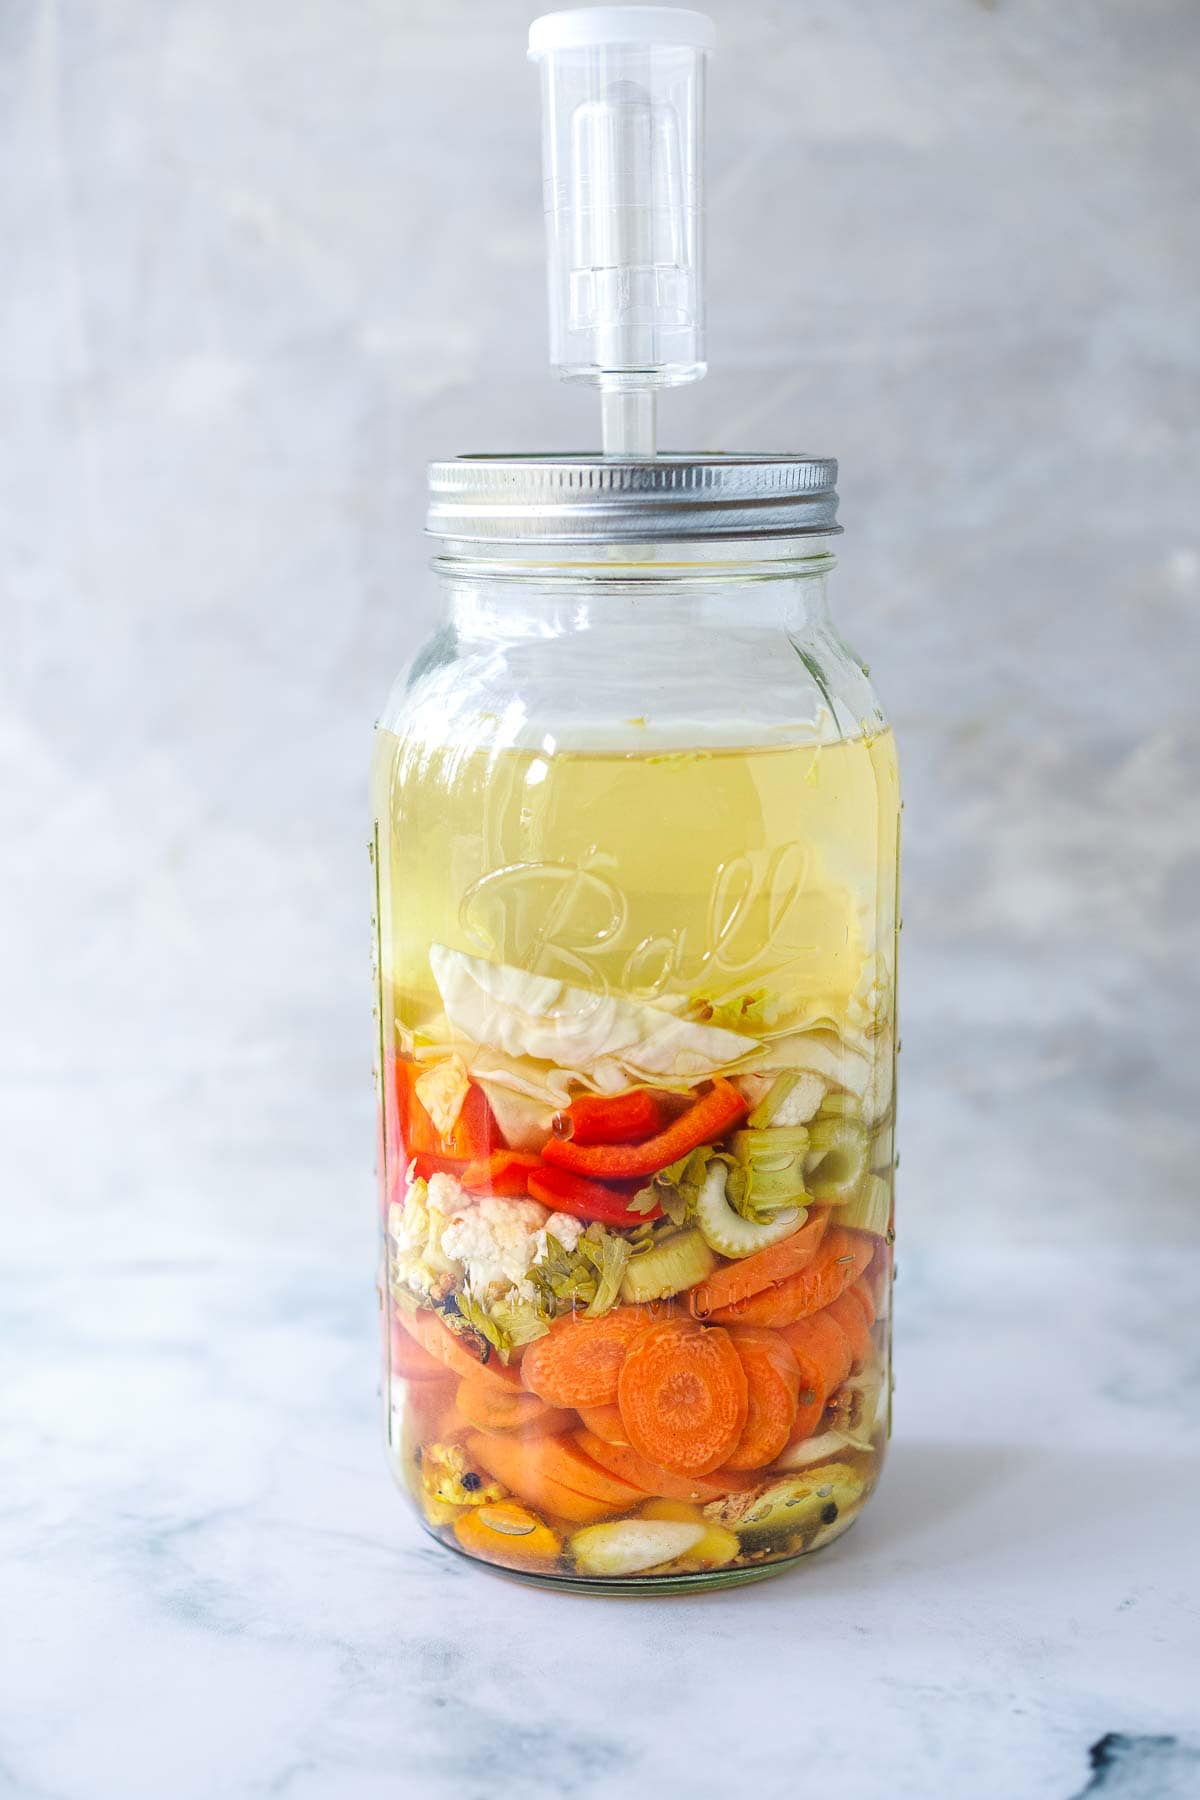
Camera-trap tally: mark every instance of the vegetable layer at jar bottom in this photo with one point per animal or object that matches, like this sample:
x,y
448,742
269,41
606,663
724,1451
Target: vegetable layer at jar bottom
x,y
638,1220
683,1373
559,1494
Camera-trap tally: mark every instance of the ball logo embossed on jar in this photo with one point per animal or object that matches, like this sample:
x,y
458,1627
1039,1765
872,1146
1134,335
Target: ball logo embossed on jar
x,y
568,920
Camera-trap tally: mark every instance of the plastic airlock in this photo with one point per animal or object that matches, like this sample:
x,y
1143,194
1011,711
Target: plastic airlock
x,y
622,151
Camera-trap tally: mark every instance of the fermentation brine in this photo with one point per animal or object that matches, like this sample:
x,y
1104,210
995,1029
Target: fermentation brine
x,y
746,878
637,1065
634,843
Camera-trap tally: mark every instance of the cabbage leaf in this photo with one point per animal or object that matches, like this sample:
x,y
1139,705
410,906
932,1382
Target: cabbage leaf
x,y
508,1010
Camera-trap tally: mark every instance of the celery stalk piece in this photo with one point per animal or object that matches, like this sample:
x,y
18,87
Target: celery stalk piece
x,y
772,1164
677,1261
792,1099
870,1209
727,1232
840,1106
838,1159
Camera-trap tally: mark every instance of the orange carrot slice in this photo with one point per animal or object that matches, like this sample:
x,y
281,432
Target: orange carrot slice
x,y
509,1460
683,1397
866,1299
847,1312
491,1408
766,1268
773,1384
408,1360
457,1353
660,1484
605,1423
578,1361
877,1277
565,1461
430,1411
567,1465
823,1350
836,1265
810,1410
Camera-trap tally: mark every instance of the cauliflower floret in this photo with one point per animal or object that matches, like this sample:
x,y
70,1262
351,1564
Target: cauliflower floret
x,y
408,1225
415,1229
446,1196
494,1240
565,1227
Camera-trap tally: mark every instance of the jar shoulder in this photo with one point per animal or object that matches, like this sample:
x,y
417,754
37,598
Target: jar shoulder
x,y
745,684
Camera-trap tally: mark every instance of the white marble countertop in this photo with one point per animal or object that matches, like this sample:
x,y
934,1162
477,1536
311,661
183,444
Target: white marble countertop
x,y
213,1589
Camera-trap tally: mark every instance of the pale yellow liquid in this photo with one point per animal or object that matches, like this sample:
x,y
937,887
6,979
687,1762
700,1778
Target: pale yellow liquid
x,y
714,872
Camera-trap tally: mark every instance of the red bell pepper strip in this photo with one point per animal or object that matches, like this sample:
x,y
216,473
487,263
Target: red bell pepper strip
x,y
503,1172
705,1120
611,1119
473,1134
565,1192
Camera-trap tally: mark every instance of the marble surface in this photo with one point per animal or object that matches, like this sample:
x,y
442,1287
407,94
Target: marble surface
x,y
213,1588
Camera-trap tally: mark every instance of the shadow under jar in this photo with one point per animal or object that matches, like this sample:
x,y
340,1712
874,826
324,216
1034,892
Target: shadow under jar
x,y
635,847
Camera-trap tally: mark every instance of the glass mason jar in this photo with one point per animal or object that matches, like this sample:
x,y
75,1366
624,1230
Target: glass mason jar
x,y
635,848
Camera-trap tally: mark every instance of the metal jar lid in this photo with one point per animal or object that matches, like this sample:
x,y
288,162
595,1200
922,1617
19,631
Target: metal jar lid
x,y
579,499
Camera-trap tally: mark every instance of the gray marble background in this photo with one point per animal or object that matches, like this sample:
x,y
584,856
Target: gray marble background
x,y
261,261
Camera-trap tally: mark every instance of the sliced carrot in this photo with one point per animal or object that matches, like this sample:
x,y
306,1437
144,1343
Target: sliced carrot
x,y
822,1348
611,1119
508,1460
877,1277
605,1423
683,1396
838,1262
810,1410
457,1353
766,1268
491,1408
847,1311
866,1299
408,1360
430,1411
624,1461
825,1357
565,1461
578,1361
503,1172
773,1384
